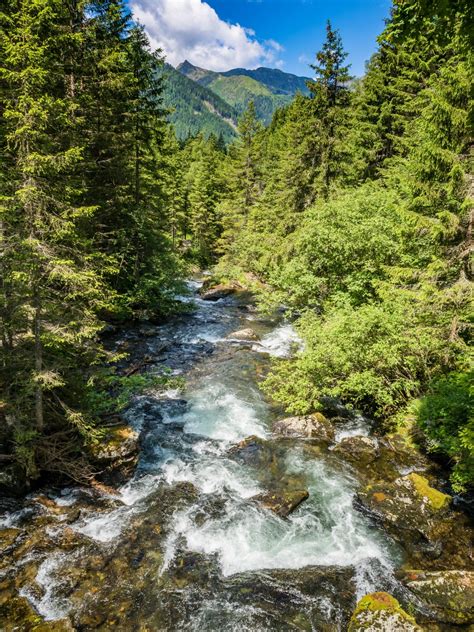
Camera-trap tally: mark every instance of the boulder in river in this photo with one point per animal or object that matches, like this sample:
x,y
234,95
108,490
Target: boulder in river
x,y
412,511
282,503
448,594
380,612
217,292
314,426
117,453
252,451
247,335
359,450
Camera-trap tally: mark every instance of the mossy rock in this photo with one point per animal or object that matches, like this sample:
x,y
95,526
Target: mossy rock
x,y
217,292
380,612
119,443
448,594
416,514
358,450
246,335
437,500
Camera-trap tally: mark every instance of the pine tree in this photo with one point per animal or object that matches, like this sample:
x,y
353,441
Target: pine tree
x,y
331,101
54,288
243,176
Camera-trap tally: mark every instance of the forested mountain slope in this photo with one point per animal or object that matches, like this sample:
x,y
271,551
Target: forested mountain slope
x,y
278,81
195,108
268,88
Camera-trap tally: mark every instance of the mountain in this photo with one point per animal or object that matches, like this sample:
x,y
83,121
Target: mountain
x,y
269,88
195,108
277,81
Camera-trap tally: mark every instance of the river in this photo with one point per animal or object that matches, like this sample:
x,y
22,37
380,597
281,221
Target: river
x,y
184,546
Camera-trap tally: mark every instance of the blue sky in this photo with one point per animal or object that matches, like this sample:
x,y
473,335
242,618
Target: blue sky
x,y
223,34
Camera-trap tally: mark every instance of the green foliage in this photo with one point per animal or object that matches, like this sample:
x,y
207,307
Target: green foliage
x,y
85,214
343,249
368,356
360,222
446,414
110,392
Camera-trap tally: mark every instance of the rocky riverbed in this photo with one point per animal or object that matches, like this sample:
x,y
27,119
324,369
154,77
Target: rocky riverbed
x,y
237,517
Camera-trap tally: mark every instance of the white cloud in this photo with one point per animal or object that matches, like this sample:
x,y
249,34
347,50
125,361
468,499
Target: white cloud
x,y
192,30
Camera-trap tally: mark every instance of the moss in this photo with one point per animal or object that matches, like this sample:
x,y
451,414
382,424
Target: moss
x,y
437,499
378,602
319,417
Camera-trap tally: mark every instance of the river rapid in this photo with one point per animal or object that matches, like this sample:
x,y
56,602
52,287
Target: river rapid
x,y
184,546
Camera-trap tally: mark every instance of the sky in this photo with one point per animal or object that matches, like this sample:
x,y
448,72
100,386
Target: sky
x,y
224,34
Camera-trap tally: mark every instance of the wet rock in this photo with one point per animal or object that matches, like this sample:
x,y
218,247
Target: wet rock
x,y
448,594
309,598
147,331
413,512
314,426
247,335
251,451
217,292
8,537
380,612
12,481
282,503
119,443
117,454
358,450
17,614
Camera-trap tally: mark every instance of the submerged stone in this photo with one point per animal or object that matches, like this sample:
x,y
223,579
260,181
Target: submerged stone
x,y
380,612
252,451
245,335
448,594
282,503
314,426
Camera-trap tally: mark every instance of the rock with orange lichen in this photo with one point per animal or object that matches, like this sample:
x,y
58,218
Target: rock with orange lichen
x,y
412,511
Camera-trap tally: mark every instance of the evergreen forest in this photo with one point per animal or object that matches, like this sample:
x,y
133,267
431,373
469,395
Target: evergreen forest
x,y
352,208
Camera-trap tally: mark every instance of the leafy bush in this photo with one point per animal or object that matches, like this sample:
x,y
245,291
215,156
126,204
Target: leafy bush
x,y
375,357
446,415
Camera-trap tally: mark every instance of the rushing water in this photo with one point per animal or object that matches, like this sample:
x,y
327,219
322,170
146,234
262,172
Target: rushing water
x,y
169,556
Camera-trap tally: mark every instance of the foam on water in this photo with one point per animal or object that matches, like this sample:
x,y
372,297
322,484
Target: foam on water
x,y
324,531
352,427
211,476
280,342
51,605
105,527
219,413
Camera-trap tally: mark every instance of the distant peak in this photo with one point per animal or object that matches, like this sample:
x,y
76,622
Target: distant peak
x,y
186,65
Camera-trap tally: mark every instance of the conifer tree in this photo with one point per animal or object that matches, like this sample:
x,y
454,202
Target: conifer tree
x,y
331,101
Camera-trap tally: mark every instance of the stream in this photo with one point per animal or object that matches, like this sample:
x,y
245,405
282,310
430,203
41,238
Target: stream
x,y
184,546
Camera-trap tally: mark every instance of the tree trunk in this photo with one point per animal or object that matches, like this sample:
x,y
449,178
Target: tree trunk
x,y
39,413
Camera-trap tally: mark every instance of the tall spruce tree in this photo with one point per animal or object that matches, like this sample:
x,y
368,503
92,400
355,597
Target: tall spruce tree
x,y
331,100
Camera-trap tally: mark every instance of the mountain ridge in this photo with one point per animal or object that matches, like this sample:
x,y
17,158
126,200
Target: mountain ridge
x,y
207,101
